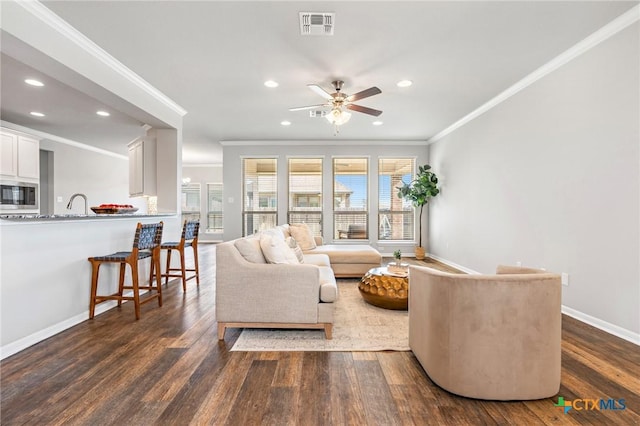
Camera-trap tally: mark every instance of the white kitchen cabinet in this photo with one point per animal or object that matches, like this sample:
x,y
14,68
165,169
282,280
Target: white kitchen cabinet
x,y
20,156
8,154
142,167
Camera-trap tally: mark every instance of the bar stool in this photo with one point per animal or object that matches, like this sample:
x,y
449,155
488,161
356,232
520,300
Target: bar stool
x,y
146,243
189,238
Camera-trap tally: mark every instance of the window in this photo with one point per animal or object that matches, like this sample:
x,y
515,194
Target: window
x,y
191,201
350,203
395,215
214,208
305,192
260,194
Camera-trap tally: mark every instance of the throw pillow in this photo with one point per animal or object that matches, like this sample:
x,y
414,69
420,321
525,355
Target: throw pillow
x,y
276,250
274,232
303,235
293,244
249,248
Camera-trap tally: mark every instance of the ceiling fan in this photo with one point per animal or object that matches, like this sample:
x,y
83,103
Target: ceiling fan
x,y
339,101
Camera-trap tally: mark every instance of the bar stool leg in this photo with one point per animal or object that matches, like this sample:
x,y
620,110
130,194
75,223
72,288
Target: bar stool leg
x,y
95,270
136,288
155,260
123,267
195,259
182,268
167,271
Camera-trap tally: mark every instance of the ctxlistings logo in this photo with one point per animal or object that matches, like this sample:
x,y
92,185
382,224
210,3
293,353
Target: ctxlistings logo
x,y
584,404
566,405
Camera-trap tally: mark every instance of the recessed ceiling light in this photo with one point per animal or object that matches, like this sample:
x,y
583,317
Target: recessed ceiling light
x,y
271,83
33,82
36,114
285,123
377,123
404,83
103,113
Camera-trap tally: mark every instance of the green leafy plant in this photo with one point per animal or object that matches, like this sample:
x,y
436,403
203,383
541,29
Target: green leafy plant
x,y
397,255
419,191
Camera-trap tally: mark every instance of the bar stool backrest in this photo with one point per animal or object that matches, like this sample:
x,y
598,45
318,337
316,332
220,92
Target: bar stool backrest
x,y
148,236
190,230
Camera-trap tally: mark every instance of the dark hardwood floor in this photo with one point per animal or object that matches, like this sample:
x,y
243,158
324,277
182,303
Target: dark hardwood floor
x,y
168,368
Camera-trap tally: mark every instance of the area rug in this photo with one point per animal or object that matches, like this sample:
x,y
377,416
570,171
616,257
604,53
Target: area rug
x,y
358,326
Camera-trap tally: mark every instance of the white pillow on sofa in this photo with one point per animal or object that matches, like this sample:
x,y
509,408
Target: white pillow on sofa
x,y
276,250
303,235
249,248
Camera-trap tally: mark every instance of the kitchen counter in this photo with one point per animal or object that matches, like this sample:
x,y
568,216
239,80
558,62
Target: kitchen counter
x,y
44,269
27,218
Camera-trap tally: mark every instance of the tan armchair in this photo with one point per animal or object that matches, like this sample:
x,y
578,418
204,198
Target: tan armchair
x,y
493,337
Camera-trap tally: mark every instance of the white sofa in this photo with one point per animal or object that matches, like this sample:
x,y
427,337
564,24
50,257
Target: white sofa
x,y
253,293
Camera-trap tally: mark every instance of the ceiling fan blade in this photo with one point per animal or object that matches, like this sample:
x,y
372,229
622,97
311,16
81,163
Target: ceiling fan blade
x,y
364,94
365,110
309,107
320,91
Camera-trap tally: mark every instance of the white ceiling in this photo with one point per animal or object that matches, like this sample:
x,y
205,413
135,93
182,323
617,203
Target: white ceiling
x,y
212,57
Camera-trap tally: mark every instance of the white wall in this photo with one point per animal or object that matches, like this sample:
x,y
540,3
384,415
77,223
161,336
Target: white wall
x,y
233,155
204,175
550,178
102,178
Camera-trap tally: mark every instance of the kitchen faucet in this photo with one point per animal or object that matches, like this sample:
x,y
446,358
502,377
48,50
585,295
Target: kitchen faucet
x,y
73,197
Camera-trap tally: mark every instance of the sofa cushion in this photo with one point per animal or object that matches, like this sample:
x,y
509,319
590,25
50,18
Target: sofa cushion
x,y
349,253
276,250
303,235
317,259
328,286
249,248
293,245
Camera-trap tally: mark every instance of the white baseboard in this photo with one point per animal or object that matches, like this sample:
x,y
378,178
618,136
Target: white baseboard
x,y
605,326
37,337
620,332
454,265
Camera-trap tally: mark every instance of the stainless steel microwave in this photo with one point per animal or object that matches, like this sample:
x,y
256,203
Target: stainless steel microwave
x,y
18,195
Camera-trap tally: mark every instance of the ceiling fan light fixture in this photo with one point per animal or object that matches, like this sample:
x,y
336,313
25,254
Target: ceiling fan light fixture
x,y
271,84
404,83
338,117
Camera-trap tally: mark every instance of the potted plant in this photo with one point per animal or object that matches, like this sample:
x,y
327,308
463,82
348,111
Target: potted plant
x,y
397,255
418,192
397,267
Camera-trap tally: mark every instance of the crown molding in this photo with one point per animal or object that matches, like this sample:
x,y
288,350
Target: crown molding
x,y
323,142
49,18
620,23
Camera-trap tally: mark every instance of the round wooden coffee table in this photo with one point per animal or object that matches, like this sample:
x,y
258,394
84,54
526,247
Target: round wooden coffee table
x,y
381,288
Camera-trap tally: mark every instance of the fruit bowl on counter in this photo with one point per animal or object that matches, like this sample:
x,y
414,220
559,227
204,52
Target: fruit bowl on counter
x,y
114,209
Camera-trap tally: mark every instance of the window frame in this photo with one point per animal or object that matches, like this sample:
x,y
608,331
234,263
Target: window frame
x,y
220,212
319,209
391,212
345,234
273,195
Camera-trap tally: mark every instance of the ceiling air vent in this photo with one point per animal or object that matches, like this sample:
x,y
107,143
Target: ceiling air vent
x,y
317,113
317,23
